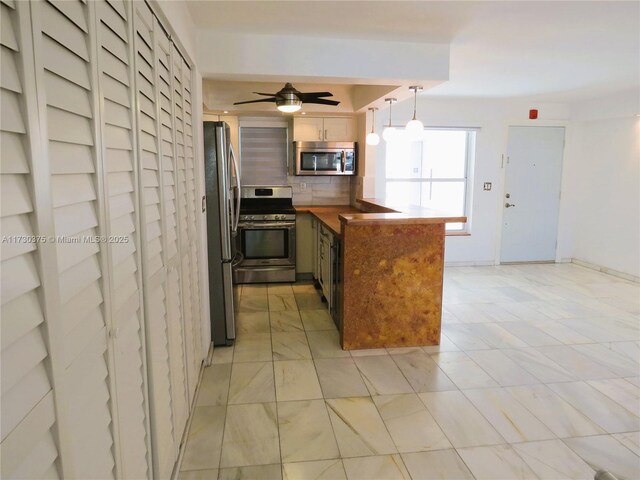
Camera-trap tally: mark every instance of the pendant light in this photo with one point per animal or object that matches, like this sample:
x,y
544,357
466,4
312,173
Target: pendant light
x,y
389,131
415,127
373,138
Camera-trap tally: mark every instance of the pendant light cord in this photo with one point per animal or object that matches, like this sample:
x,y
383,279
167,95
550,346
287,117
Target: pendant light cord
x,y
415,100
373,120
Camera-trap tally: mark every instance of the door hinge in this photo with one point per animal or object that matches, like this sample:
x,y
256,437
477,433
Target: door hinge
x,y
204,203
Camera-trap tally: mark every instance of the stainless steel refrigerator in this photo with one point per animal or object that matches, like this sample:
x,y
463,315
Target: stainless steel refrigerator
x,y
222,178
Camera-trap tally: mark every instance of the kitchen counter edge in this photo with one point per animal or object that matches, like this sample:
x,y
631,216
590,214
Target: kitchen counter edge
x,y
380,212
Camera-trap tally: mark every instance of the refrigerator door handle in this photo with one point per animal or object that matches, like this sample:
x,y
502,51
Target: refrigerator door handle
x,y
236,217
224,190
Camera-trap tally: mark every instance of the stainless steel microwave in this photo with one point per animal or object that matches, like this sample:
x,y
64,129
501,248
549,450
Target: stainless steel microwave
x,y
324,158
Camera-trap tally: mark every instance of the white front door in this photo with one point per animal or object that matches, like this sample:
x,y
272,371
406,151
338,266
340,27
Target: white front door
x,y
532,194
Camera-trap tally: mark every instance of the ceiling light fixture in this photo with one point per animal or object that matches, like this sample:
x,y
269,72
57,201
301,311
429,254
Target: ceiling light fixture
x,y
373,138
389,131
289,106
288,102
415,127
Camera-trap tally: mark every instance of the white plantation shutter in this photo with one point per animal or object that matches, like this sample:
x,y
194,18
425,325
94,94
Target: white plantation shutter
x,y
101,342
167,146
174,322
63,37
193,213
29,448
154,256
177,348
120,177
184,208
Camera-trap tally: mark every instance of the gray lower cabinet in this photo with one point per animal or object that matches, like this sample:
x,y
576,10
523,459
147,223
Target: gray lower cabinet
x,y
324,252
327,267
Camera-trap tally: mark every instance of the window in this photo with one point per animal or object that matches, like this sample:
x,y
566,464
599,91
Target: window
x,y
263,154
431,172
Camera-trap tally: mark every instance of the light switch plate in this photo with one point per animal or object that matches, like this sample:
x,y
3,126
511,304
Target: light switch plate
x,y
487,186
303,186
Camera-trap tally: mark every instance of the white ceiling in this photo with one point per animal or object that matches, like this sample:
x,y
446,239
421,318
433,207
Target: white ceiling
x,y
550,50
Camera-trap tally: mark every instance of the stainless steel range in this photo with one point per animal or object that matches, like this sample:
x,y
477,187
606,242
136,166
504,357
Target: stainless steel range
x,y
266,236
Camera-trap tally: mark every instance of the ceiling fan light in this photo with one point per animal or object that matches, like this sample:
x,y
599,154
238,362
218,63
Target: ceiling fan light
x,y
373,139
290,108
288,102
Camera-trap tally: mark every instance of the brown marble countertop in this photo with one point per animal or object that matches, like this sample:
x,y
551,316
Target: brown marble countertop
x,y
375,211
379,211
328,215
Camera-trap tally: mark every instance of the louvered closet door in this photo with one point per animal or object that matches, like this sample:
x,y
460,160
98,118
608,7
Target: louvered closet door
x,y
120,178
28,447
184,208
63,44
154,261
174,322
193,198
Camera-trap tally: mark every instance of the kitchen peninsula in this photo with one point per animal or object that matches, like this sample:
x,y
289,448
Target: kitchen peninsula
x,y
391,263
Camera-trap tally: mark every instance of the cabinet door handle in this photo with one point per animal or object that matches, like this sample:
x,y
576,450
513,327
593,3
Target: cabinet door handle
x,y
319,134
325,134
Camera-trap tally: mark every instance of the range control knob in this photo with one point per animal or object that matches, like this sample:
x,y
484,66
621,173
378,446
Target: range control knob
x,y
265,217
250,217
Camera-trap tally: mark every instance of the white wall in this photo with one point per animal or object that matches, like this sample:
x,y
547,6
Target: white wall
x,y
601,198
177,15
492,117
256,57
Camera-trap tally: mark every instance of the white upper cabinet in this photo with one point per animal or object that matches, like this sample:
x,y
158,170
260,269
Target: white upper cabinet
x,y
339,129
308,129
329,129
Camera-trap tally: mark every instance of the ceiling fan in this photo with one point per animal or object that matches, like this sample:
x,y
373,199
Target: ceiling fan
x,y
290,100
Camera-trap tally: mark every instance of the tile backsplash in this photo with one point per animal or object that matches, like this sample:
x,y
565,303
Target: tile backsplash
x,y
321,190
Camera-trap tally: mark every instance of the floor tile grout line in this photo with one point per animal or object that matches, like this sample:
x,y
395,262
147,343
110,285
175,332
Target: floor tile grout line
x,y
226,406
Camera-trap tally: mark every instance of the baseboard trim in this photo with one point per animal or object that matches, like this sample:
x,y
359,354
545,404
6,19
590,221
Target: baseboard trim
x,y
530,262
209,359
489,263
608,271
185,435
576,261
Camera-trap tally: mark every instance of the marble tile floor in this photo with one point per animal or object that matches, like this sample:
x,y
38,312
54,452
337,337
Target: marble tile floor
x,y
537,376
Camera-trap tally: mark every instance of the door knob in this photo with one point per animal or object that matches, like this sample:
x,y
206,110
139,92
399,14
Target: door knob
x,y
507,205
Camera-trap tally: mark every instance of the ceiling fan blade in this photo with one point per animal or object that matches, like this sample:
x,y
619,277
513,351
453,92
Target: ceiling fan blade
x,y
311,95
257,101
266,94
321,101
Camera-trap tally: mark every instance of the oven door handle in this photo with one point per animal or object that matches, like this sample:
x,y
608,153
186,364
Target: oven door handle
x,y
261,226
237,259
